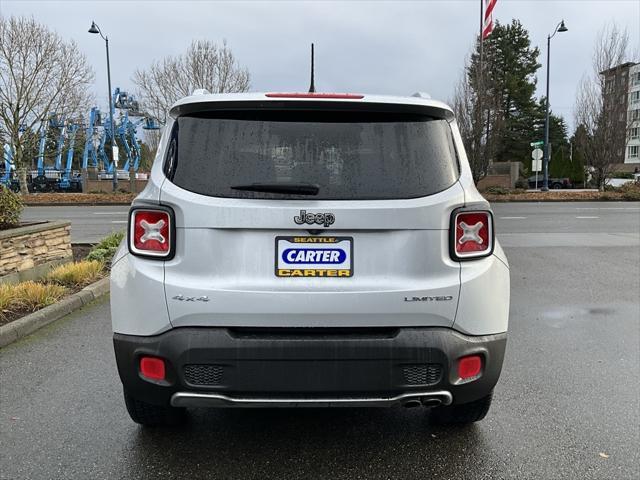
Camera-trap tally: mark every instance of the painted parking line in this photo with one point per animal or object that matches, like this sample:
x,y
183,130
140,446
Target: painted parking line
x,y
607,208
512,218
595,239
586,217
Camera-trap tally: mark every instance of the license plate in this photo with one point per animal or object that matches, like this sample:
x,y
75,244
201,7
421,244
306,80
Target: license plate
x,y
314,257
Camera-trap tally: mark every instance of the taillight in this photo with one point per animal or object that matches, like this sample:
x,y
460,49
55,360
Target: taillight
x,y
337,96
152,368
471,234
470,367
151,232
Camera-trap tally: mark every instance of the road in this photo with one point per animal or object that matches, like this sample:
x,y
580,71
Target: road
x,y
90,224
567,405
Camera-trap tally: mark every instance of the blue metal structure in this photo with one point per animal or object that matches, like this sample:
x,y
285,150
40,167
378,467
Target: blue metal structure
x,y
67,181
58,123
59,175
90,150
9,167
122,135
129,131
8,176
41,147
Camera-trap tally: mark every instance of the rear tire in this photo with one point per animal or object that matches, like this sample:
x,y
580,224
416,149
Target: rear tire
x,y
461,414
151,415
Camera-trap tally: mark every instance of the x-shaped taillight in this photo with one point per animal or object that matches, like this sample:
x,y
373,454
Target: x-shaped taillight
x,y
471,234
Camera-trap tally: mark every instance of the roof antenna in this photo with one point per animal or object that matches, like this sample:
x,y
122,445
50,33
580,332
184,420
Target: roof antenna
x,y
312,87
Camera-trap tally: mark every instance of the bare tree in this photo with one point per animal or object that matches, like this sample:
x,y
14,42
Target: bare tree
x,y
471,124
601,104
40,74
204,65
475,108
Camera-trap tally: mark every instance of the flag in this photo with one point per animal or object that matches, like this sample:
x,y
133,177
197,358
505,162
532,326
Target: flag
x,y
487,25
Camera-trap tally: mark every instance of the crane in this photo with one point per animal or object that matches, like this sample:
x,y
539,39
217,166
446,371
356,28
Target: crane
x,y
67,181
9,167
90,150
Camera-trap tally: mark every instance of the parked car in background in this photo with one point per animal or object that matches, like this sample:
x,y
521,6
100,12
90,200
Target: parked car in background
x,y
554,183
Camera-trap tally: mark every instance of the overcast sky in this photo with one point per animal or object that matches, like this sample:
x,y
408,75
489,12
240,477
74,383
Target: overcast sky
x,y
361,46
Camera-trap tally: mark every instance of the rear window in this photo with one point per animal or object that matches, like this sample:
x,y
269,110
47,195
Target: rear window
x,y
343,155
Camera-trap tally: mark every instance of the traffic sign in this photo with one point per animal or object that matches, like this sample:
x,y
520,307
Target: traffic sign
x,y
537,144
536,154
536,165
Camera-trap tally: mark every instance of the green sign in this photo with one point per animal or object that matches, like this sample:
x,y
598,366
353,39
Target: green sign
x,y
537,144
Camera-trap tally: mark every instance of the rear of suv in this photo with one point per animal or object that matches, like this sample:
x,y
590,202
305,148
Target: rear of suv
x,y
309,250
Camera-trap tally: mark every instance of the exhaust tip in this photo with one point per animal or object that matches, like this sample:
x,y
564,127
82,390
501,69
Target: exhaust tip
x,y
431,402
412,403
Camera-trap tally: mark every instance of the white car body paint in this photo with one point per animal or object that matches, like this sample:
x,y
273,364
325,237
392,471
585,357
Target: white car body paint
x,y
225,252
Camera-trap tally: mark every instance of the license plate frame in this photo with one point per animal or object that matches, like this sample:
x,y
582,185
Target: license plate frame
x,y
321,269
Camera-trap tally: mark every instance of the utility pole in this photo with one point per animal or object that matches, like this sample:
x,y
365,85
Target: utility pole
x,y
545,162
114,148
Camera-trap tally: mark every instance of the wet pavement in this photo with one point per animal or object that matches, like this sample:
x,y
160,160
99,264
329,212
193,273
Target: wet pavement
x,y
567,405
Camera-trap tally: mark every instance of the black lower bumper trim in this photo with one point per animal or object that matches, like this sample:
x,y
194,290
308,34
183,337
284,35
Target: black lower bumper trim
x,y
298,365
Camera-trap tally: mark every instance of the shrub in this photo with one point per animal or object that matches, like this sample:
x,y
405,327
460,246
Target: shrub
x,y
76,274
630,191
32,296
6,299
106,249
522,183
495,190
10,208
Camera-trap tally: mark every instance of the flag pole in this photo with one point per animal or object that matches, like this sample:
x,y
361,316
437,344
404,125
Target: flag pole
x,y
480,85
481,39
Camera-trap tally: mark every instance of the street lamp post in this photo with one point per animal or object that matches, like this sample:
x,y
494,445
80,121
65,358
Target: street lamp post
x,y
95,29
545,163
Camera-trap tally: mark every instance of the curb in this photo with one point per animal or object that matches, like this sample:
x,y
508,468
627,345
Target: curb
x,y
30,323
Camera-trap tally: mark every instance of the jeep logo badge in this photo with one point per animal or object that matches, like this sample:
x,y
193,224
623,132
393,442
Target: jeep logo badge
x,y
326,219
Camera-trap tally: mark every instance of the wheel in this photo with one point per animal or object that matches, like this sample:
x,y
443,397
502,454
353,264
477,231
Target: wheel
x,y
153,415
557,186
40,184
461,414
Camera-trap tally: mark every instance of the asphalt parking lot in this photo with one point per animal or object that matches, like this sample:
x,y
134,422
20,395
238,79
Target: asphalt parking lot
x,y
567,404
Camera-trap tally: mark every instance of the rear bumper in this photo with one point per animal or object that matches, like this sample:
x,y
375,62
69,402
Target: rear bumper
x,y
308,367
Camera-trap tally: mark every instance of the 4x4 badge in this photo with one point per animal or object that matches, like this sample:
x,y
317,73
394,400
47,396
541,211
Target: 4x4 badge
x,y
182,298
326,219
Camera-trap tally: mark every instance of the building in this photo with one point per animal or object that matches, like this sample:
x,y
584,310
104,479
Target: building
x,y
622,95
632,153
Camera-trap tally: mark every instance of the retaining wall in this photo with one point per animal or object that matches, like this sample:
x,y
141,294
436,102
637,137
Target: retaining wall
x,y
28,252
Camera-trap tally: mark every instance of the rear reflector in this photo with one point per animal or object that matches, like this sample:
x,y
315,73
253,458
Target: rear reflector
x,y
338,96
152,368
151,232
472,234
469,367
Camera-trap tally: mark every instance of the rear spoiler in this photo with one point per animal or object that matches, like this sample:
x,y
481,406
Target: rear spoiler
x,y
310,105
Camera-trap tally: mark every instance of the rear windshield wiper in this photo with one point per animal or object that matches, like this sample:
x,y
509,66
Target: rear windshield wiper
x,y
292,188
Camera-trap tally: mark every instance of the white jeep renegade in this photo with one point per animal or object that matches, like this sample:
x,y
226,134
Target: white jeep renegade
x,y
309,250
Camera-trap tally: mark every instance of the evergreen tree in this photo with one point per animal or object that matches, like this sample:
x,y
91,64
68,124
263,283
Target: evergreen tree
x,y
507,86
